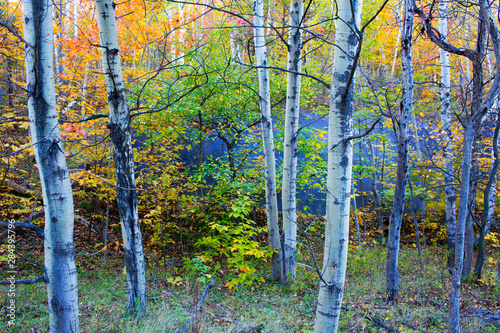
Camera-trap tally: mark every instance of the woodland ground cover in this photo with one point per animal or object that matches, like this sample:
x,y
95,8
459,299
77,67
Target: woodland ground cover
x,y
264,306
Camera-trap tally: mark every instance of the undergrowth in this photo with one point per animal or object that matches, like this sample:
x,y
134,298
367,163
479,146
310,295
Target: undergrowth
x,y
269,307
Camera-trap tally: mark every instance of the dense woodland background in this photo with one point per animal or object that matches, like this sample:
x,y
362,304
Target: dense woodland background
x,y
192,98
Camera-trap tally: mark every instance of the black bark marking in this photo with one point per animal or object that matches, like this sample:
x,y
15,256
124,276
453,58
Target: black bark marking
x,y
329,315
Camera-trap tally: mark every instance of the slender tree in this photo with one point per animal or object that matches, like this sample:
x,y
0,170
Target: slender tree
x,y
339,176
266,124
376,193
290,145
121,140
449,189
60,268
487,202
392,273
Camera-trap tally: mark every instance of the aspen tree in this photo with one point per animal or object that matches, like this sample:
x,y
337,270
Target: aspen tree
x,y
266,124
376,194
60,267
292,113
339,176
449,188
392,273
121,140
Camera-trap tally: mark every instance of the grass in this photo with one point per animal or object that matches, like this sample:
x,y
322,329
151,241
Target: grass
x,y
422,305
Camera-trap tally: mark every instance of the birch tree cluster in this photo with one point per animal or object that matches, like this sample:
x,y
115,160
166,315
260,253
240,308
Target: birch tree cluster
x,y
219,137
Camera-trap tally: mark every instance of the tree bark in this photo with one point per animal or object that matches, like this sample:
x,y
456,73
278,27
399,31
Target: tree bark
x,y
392,274
376,195
58,50
420,181
468,142
340,156
121,139
447,137
266,124
469,224
487,205
292,113
60,268
356,219
415,225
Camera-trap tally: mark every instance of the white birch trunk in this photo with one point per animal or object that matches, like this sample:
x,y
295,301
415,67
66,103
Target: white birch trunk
x,y
392,273
60,268
376,194
356,219
235,48
58,50
121,139
177,50
417,140
449,188
266,124
76,16
397,10
292,113
339,175
495,109
493,191
423,201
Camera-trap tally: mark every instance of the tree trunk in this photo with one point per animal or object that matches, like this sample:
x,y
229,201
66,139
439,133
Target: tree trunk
x,y
356,219
487,205
376,195
449,188
268,140
340,155
415,225
420,182
121,139
59,50
402,164
493,190
462,216
60,268
469,226
291,139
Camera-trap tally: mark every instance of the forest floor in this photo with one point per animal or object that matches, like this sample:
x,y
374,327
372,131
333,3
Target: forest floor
x,y
268,307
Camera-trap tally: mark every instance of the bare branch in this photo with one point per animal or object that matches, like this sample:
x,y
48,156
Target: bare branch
x,y
32,281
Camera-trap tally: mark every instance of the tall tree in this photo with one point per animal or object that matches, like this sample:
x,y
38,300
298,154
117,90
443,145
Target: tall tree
x,y
290,146
471,122
340,151
487,211
376,193
121,140
266,124
449,189
60,267
392,273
